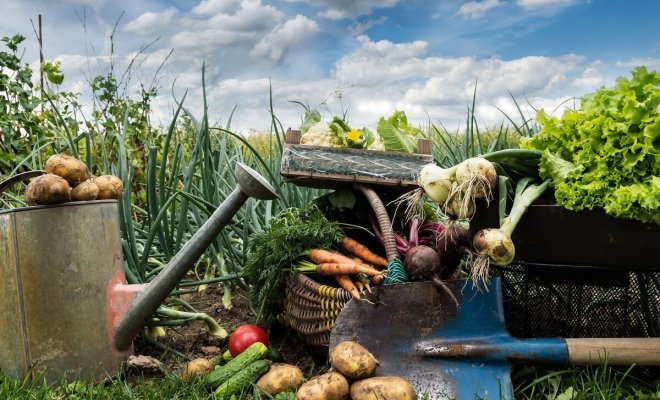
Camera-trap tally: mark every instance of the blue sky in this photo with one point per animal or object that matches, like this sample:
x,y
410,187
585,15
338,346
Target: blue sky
x,y
369,57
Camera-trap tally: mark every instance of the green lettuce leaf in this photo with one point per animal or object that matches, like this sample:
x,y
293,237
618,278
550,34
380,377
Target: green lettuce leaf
x,y
396,134
606,153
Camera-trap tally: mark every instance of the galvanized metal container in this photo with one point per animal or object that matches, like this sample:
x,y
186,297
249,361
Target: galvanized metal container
x,y
57,263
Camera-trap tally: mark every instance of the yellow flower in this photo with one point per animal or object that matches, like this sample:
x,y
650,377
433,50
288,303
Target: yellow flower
x,y
353,135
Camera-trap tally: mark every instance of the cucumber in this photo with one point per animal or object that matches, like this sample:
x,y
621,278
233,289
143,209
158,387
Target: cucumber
x,y
218,360
257,351
227,356
242,380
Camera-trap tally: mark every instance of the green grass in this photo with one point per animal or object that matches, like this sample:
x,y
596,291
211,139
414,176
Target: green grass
x,y
589,383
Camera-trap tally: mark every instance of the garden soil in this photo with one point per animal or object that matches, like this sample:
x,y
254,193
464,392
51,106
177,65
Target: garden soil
x,y
194,341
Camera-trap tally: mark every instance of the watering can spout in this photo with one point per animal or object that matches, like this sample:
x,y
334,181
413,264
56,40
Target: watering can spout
x,y
143,306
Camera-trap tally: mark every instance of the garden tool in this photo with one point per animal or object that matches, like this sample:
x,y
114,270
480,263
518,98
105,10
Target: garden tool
x,y
68,312
462,350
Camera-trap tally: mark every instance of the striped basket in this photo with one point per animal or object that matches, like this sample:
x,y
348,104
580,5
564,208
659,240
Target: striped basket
x,y
312,307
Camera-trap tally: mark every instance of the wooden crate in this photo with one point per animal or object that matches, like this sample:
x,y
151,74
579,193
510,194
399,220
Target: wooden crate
x,y
335,167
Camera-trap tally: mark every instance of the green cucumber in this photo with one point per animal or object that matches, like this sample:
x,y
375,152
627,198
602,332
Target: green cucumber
x,y
242,380
256,351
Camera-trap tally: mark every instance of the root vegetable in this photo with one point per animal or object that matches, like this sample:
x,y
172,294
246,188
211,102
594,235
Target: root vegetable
x,y
476,178
341,268
436,182
422,262
281,378
110,187
347,284
459,206
198,367
67,167
382,388
330,386
85,191
47,189
363,252
352,360
495,245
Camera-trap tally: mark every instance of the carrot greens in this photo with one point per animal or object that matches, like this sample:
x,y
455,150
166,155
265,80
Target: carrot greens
x,y
273,252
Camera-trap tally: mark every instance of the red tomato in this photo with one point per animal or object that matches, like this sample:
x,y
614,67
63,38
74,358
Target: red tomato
x,y
244,336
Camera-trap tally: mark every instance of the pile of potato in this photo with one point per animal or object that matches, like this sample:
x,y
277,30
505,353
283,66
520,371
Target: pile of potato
x,y
353,363
68,179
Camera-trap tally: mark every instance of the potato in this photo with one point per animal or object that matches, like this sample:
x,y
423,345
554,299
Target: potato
x,y
353,360
47,189
196,367
69,168
85,191
330,386
281,378
110,187
383,388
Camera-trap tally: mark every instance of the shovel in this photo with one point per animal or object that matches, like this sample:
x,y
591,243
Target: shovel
x,y
464,351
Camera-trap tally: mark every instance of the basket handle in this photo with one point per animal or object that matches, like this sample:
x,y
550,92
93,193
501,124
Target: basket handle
x,y
383,220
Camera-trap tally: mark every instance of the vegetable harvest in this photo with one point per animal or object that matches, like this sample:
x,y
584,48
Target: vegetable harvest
x,y
605,154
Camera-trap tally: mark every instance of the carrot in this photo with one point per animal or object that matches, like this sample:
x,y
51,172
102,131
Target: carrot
x,y
345,282
378,279
321,256
365,281
344,269
359,285
352,246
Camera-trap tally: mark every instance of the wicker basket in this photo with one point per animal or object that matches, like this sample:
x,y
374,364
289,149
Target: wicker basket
x,y
312,307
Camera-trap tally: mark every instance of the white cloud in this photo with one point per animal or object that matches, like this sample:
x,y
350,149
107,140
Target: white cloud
x,y
340,9
251,16
359,28
211,7
151,22
273,46
476,9
591,79
534,4
649,62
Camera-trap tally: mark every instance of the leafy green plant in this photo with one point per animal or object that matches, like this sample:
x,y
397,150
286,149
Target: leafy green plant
x,y
605,154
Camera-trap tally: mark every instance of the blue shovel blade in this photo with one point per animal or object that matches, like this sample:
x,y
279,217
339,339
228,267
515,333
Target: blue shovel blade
x,y
447,351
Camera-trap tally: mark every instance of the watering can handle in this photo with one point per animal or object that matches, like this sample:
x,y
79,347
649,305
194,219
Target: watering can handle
x,y
616,351
24,176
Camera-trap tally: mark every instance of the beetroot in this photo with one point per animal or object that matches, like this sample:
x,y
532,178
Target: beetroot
x,y
422,262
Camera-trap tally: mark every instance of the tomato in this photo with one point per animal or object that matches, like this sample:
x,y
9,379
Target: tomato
x,y
244,336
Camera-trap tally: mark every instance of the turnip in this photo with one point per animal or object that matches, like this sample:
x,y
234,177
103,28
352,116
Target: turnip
x,y
422,262
420,258
436,182
495,245
461,184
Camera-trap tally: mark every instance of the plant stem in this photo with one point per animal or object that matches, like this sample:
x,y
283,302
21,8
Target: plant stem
x,y
521,202
213,327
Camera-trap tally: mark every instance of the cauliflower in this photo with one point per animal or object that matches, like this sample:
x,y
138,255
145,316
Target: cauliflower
x,y
320,134
377,145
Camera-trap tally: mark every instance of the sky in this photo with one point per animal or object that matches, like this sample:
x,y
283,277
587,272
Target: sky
x,y
362,58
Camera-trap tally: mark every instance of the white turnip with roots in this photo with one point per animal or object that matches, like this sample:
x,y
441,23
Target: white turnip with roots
x,y
435,183
475,178
494,245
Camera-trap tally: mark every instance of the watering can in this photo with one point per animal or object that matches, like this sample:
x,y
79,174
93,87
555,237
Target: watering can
x,y
460,349
67,311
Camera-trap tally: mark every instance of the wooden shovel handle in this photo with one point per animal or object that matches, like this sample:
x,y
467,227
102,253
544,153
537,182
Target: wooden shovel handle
x,y
614,351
